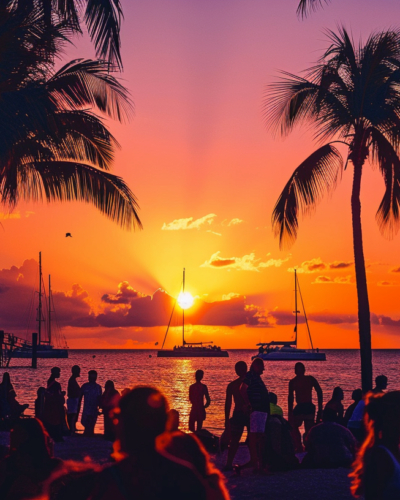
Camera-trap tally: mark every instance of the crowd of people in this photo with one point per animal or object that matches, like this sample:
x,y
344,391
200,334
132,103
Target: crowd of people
x,y
155,459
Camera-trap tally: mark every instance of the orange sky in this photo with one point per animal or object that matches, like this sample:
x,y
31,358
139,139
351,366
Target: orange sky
x,y
197,149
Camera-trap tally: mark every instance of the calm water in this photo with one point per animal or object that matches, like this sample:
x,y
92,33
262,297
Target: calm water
x,y
173,376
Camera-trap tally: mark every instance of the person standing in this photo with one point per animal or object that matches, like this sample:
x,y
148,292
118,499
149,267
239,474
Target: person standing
x,y
91,395
240,419
54,411
108,403
73,393
302,386
256,398
198,392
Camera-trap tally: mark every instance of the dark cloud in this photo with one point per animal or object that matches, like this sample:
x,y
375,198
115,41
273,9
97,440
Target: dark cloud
x,y
395,270
316,265
222,262
123,296
340,265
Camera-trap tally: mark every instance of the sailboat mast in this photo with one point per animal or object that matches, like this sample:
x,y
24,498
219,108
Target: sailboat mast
x,y
295,304
40,298
49,328
183,312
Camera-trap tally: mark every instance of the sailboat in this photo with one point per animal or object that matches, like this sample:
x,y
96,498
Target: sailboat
x,y
49,345
190,349
287,350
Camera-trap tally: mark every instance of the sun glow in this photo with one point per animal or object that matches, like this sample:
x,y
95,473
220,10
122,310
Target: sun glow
x,y
185,300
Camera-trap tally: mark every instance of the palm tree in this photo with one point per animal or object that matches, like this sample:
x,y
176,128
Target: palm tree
x,y
351,97
52,144
307,6
101,17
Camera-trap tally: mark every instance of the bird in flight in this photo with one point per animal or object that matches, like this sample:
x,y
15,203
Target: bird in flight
x,y
68,235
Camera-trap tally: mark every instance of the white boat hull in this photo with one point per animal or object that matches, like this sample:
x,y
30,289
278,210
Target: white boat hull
x,y
292,356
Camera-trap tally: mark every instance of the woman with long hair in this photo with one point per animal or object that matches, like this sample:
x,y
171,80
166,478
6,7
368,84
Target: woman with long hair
x,y
376,470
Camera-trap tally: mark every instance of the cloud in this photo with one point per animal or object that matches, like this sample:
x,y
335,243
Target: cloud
x,y
342,280
245,263
124,294
235,222
189,223
388,283
395,270
316,265
213,232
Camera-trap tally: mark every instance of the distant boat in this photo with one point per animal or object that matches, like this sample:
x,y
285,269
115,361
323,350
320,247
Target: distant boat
x,y
49,346
190,349
287,350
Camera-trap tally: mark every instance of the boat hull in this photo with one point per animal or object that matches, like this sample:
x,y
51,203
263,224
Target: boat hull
x,y
169,353
48,353
292,356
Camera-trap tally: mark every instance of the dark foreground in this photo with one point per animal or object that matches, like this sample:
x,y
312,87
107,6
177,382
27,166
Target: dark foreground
x,y
294,485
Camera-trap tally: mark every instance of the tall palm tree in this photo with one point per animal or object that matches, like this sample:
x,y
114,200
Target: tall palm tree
x,y
52,144
351,97
307,6
101,17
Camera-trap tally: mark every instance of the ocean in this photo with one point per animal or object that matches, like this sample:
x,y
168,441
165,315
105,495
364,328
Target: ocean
x,y
128,368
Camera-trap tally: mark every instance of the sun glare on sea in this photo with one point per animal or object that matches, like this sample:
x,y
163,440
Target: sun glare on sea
x,y
185,300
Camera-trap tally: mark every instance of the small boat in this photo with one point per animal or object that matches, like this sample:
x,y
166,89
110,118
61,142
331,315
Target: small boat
x,y
49,346
287,350
190,349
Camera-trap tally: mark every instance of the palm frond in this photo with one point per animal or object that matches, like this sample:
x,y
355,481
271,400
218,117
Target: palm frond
x,y
103,19
317,175
88,83
305,7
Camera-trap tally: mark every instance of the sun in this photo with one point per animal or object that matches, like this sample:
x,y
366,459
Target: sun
x,y
185,300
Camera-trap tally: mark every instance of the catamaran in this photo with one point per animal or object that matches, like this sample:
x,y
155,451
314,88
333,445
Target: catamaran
x,y
189,349
287,350
49,344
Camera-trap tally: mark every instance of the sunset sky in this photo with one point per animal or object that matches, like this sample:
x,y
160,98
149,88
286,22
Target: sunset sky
x,y
207,175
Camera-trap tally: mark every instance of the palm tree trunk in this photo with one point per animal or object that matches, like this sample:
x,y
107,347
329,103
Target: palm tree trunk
x,y
364,320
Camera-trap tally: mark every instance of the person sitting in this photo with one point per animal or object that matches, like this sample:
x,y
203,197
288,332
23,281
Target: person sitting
x,y
356,396
108,403
39,403
335,403
273,405
29,462
376,470
9,406
329,444
187,450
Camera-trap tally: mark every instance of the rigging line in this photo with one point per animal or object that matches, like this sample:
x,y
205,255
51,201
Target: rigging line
x,y
305,315
166,333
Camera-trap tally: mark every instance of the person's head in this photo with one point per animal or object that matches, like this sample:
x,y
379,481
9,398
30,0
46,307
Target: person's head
x,y
273,398
29,443
40,392
299,369
338,394
55,372
382,424
92,375
173,420
6,378
109,385
257,366
199,375
357,395
143,416
241,368
329,415
76,371
381,382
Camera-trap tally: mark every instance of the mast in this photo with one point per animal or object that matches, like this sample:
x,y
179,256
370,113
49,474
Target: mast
x,y
295,304
40,298
183,312
49,327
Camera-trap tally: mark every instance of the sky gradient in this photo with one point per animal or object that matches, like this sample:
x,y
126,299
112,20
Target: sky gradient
x,y
207,175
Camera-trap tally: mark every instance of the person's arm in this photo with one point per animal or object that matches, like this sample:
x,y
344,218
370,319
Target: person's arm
x,y
318,390
208,399
80,401
290,400
228,405
243,392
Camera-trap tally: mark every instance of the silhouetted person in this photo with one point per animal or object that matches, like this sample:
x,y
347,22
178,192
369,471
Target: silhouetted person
x,y
91,394
376,470
381,383
188,451
356,396
200,400
54,411
108,403
29,462
73,393
256,398
240,419
9,406
140,472
335,404
173,421
302,386
329,444
39,403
